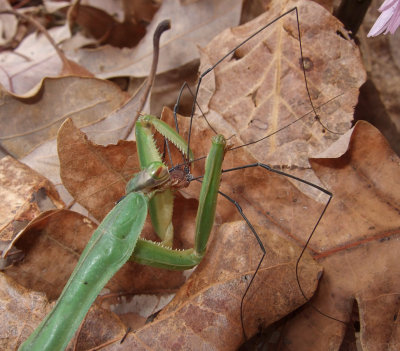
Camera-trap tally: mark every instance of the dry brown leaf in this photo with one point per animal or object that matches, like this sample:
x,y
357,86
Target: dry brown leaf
x,y
140,10
357,243
100,327
51,241
23,310
87,100
95,22
35,58
94,175
261,88
25,194
193,23
62,236
8,24
205,314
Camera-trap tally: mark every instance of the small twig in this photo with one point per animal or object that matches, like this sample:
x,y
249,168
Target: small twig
x,y
161,28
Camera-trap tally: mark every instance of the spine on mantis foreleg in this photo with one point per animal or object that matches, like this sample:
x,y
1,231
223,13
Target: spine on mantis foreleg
x,y
161,204
150,253
108,249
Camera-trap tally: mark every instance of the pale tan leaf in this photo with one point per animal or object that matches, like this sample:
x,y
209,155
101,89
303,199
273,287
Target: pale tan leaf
x,y
193,24
261,88
34,59
8,24
25,195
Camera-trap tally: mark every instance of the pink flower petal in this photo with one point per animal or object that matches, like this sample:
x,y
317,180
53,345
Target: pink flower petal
x,y
389,20
395,22
387,4
380,24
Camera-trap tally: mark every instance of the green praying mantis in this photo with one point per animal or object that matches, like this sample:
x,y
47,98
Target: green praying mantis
x,y
116,240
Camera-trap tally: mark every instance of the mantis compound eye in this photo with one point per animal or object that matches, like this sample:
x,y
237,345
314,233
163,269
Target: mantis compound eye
x,y
158,171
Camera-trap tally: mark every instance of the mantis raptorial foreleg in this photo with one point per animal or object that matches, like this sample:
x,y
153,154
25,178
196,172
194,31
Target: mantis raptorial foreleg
x,y
117,237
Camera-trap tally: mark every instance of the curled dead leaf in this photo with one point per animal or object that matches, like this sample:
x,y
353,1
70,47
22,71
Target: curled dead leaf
x,y
25,195
87,100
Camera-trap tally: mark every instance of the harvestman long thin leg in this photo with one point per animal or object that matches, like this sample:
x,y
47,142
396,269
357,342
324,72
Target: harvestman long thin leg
x,y
295,10
176,110
257,237
238,207
264,166
195,103
240,210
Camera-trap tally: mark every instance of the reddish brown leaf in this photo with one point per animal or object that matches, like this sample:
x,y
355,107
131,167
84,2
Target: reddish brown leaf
x,y
358,246
94,175
53,240
100,327
104,27
23,310
206,310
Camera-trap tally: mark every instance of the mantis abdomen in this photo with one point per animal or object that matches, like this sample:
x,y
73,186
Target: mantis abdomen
x,y
108,249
